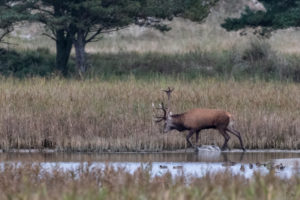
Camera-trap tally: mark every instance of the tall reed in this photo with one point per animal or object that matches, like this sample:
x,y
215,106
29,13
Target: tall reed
x,y
95,115
33,182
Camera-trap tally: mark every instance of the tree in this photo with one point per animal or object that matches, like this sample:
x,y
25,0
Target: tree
x,y
279,14
54,15
92,18
79,22
12,12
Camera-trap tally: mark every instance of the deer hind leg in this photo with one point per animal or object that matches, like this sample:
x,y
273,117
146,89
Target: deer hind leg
x,y
197,137
188,138
226,138
238,135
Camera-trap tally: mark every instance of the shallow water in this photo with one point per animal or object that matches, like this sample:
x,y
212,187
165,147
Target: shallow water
x,y
192,164
247,157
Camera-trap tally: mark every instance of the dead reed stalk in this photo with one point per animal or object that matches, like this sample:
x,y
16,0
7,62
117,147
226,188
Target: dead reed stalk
x,y
97,115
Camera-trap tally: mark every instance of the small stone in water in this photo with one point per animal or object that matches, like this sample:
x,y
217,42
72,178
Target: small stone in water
x,y
177,167
163,166
208,148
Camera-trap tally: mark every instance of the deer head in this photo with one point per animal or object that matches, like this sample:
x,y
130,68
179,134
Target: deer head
x,y
166,118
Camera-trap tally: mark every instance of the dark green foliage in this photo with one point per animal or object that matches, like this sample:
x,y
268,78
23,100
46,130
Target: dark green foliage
x,y
12,11
27,63
195,10
280,14
79,22
256,61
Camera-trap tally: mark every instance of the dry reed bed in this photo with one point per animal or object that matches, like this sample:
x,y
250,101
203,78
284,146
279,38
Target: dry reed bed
x,y
30,181
95,115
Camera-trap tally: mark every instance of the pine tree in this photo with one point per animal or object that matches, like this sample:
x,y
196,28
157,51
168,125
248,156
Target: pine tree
x,y
279,14
79,22
12,12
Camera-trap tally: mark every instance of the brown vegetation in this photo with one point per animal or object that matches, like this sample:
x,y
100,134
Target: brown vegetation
x,y
33,182
95,115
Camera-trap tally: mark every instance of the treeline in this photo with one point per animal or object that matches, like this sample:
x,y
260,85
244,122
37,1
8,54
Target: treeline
x,y
258,60
75,23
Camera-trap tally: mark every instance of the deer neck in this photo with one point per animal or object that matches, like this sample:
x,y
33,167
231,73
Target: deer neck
x,y
178,123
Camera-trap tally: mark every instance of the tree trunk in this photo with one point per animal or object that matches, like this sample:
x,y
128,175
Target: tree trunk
x,y
79,44
63,50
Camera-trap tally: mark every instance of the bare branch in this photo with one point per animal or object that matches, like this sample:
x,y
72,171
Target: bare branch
x,y
101,31
116,29
5,31
50,36
49,12
94,35
8,43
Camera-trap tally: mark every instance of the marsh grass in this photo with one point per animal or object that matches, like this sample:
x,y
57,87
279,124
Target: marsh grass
x,y
30,181
116,115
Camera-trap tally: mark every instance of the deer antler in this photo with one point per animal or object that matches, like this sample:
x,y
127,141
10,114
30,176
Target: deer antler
x,y
164,117
169,91
162,106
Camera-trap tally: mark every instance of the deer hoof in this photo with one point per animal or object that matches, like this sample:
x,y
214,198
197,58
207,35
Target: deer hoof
x,y
225,148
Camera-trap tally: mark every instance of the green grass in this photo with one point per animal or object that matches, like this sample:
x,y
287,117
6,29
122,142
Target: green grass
x,y
257,61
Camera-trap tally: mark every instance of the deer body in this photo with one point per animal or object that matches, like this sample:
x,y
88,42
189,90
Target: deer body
x,y
199,119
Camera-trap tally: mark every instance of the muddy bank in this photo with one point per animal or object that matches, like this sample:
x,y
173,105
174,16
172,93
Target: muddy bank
x,y
147,157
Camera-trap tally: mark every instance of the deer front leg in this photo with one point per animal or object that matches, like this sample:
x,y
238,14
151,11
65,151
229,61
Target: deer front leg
x,y
226,139
188,138
238,135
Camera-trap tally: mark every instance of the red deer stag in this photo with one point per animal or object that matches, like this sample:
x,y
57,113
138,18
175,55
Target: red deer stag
x,y
199,119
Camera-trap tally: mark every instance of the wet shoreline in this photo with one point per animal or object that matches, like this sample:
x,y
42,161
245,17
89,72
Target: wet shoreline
x,y
197,163
189,150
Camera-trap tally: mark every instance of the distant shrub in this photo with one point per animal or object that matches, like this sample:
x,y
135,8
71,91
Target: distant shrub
x,y
27,63
257,60
260,60
257,50
191,65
